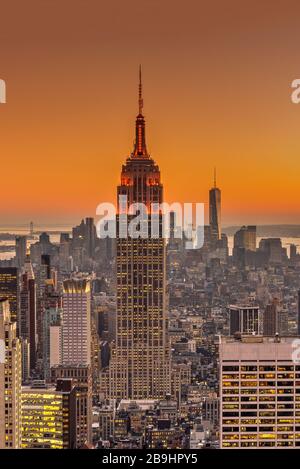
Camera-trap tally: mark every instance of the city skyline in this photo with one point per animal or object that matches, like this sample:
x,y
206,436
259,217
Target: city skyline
x,y
227,106
149,253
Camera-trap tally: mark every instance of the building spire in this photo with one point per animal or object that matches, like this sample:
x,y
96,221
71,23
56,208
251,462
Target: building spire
x,y
215,177
140,150
141,103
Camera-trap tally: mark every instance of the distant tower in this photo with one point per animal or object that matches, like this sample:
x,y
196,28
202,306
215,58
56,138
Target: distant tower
x,y
21,250
293,252
246,238
215,210
31,228
90,237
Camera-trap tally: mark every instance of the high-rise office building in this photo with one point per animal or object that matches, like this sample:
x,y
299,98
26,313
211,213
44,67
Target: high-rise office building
x,y
21,249
27,317
244,246
76,322
140,363
82,379
90,237
272,249
215,210
52,339
50,300
293,252
65,258
244,319
271,323
9,288
25,349
298,312
43,276
84,241
245,238
49,415
259,393
10,380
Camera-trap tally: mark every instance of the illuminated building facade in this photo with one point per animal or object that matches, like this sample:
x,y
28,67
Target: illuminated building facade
x,y
27,317
140,363
9,288
76,322
10,381
259,393
82,379
164,436
48,416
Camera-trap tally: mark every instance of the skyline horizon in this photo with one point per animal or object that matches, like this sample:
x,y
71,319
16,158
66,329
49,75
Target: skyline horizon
x,y
74,221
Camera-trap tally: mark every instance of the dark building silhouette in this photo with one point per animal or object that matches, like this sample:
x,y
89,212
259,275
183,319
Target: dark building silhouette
x,y
215,211
271,324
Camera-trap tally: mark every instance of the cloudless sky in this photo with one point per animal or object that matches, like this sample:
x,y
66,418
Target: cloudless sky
x,y
217,83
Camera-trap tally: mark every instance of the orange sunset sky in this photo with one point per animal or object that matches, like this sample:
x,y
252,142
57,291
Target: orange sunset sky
x,y
217,84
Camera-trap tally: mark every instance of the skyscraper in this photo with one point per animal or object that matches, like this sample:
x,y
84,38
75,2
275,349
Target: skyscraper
x,y
43,276
215,210
52,338
244,245
27,321
21,248
245,238
90,237
259,393
271,323
10,381
273,250
84,237
9,288
298,312
293,252
140,364
76,322
82,379
49,415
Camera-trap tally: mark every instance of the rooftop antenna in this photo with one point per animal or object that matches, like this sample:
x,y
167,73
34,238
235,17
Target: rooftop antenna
x,y
140,91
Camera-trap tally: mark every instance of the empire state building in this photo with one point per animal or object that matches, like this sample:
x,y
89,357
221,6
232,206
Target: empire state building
x,y
140,361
